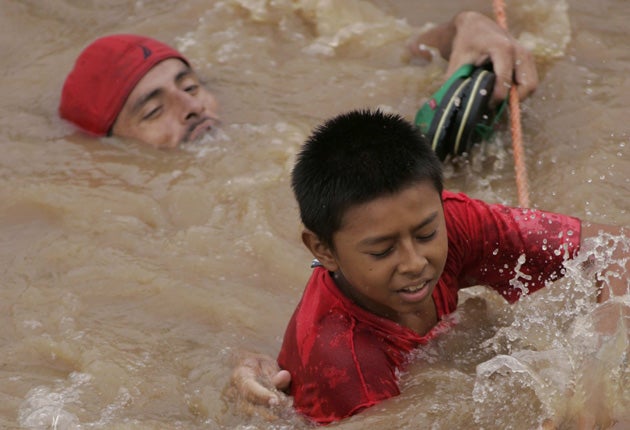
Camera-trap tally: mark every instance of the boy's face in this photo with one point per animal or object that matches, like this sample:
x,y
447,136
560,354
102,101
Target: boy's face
x,y
167,107
390,252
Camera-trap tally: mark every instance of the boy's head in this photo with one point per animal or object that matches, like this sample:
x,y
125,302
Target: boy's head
x,y
135,86
354,158
369,190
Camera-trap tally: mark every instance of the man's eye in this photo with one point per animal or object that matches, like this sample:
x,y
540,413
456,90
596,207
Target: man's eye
x,y
153,113
191,88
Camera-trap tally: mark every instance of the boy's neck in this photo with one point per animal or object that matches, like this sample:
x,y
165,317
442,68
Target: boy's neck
x,y
421,321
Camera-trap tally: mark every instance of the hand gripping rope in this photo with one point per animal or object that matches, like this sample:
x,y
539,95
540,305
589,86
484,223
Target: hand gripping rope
x,y
458,115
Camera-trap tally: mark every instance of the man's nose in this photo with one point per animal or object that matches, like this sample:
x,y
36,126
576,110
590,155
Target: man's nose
x,y
190,105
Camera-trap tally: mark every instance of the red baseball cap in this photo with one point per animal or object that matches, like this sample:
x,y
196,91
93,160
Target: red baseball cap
x,y
104,75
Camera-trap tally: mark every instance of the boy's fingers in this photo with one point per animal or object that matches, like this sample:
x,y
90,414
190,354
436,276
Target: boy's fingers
x,y
258,394
281,380
257,378
248,387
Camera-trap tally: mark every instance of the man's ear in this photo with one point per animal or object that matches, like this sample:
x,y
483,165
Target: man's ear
x,y
321,251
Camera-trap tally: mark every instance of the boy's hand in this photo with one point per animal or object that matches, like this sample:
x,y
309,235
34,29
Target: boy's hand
x,y
258,379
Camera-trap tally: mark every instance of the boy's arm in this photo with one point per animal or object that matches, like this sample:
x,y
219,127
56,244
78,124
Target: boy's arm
x,y
613,280
473,38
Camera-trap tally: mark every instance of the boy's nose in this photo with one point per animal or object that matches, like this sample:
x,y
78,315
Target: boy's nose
x,y
412,260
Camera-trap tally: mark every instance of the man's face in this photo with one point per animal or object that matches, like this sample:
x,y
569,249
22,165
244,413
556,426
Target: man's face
x,y
167,107
390,252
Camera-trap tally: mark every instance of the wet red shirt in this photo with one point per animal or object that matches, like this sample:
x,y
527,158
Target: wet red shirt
x,y
343,358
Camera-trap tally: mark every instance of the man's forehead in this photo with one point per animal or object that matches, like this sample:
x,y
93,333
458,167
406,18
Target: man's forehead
x,y
166,73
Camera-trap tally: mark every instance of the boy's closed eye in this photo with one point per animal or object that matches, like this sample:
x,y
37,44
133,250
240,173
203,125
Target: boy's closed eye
x,y
381,254
423,237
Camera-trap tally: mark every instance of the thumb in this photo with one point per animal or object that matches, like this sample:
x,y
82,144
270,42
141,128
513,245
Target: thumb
x,y
281,380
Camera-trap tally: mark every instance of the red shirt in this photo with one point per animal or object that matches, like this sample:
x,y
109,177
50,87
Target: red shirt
x,y
343,358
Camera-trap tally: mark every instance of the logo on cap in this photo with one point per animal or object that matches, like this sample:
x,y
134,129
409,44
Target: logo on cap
x,y
146,51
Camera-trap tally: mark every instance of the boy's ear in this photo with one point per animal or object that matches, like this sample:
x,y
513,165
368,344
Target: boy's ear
x,y
322,252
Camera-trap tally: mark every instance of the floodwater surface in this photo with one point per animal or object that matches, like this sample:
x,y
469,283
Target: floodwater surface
x,y
133,278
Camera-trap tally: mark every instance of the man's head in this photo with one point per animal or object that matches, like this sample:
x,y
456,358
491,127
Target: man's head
x,y
369,191
354,158
136,87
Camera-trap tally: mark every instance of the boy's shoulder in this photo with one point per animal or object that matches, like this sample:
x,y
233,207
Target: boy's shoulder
x,y
325,312
455,197
459,206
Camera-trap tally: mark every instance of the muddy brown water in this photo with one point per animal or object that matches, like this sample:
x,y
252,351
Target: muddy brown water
x,y
133,277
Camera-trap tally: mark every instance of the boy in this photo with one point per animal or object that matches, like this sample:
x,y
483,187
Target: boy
x,y
393,249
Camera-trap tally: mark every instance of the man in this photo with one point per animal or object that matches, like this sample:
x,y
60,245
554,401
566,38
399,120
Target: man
x,y
139,88
136,87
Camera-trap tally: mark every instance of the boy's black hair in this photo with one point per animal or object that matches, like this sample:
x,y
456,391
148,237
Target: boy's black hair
x,y
354,158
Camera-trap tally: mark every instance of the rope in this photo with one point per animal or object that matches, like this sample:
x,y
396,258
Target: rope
x,y
522,187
